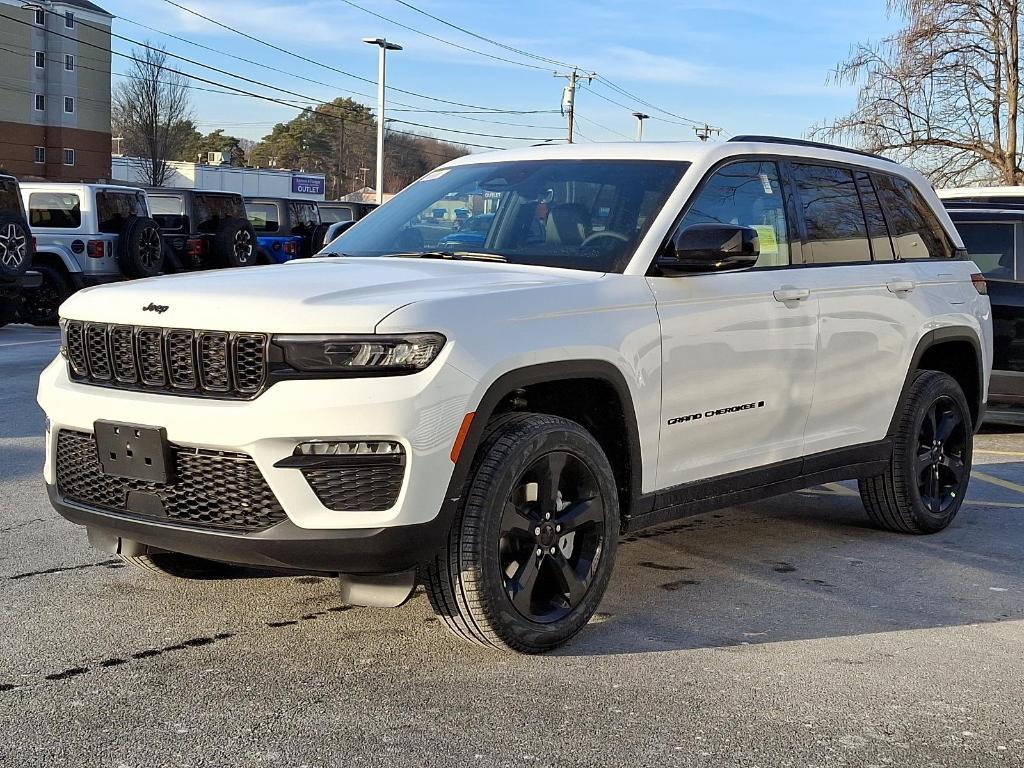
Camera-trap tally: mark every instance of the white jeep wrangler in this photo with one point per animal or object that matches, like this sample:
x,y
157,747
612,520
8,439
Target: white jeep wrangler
x,y
645,331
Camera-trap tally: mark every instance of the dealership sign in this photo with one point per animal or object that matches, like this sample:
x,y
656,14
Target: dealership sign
x,y
308,185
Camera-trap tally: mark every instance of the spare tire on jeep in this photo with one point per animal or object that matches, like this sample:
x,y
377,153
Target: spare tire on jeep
x,y
140,251
234,243
316,240
15,246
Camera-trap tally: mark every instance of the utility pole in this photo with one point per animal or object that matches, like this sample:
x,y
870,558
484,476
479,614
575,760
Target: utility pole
x,y
569,95
704,131
640,117
384,46
364,170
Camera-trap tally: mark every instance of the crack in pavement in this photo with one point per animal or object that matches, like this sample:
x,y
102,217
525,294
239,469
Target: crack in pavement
x,y
23,524
113,564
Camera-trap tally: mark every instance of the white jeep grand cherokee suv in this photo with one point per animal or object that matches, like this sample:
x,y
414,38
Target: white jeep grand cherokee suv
x,y
645,331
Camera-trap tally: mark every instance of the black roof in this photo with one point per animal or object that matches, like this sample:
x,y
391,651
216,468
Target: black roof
x,y
807,143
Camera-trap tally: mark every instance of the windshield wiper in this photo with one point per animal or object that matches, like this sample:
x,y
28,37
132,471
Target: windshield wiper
x,y
455,255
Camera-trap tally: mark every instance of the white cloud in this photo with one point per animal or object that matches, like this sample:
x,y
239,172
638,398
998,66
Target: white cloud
x,y
640,66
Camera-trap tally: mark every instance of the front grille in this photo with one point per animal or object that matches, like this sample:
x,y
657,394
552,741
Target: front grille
x,y
212,489
197,363
361,487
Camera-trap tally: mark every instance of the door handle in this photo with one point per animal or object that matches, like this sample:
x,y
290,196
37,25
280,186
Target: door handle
x,y
900,286
791,294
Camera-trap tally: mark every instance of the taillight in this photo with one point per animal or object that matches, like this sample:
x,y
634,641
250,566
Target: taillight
x,y
96,249
290,248
195,246
979,283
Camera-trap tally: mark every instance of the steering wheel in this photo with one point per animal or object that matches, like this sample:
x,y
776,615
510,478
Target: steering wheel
x,y
607,233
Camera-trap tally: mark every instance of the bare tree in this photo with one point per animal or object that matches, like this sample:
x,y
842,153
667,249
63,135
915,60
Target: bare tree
x,y
148,109
943,93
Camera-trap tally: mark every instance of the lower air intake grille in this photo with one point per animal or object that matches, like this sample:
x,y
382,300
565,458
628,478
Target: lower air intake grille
x,y
369,488
212,489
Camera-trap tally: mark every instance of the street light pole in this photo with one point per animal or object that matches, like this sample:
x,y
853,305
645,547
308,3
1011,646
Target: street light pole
x,y
384,47
640,117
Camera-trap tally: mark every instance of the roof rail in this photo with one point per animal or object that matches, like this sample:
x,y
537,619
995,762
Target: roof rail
x,y
807,143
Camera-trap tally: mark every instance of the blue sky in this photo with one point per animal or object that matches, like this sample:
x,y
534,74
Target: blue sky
x,y
747,66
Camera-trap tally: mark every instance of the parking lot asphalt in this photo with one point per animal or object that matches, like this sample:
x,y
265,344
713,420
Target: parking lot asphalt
x,y
782,633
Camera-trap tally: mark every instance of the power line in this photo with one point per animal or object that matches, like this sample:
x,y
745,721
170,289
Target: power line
x,y
441,39
603,127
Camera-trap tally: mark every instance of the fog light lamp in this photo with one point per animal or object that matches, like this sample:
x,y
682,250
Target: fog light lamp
x,y
349,448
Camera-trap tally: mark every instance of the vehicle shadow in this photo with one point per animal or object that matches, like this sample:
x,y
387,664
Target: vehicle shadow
x,y
803,566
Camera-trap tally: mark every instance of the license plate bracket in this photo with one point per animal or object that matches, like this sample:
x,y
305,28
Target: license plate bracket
x,y
134,452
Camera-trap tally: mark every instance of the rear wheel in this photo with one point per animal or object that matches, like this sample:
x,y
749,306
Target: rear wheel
x,y
924,486
235,243
531,549
178,566
15,246
140,250
40,305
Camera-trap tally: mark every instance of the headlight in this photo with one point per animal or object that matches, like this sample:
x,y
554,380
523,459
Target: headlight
x,y
359,355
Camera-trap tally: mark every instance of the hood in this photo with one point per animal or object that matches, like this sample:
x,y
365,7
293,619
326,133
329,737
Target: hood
x,y
323,295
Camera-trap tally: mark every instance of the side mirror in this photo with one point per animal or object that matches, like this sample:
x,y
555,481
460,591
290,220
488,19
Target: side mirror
x,y
709,248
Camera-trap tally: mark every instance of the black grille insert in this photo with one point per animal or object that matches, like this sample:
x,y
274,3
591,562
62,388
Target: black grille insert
x,y
182,361
359,486
213,489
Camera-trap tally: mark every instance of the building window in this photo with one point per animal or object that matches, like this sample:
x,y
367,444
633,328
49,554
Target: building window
x,y
40,102
69,157
69,20
40,156
40,17
40,59
69,62
69,104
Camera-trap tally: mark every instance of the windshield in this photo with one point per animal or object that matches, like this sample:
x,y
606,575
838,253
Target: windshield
x,y
576,214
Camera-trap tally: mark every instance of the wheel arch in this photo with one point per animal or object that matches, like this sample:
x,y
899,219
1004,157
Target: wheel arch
x,y
955,351
56,258
600,379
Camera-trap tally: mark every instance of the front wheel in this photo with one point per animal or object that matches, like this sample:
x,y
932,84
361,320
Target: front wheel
x,y
532,546
924,485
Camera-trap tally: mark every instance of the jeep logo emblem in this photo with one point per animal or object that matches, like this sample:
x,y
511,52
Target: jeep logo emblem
x,y
158,308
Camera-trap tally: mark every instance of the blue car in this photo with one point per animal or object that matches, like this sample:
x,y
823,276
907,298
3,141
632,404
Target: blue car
x,y
472,232
285,229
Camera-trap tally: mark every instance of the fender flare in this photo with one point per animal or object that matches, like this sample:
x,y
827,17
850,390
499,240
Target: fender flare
x,y
59,253
518,378
931,339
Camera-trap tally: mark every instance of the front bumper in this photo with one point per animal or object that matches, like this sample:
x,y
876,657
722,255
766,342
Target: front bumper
x,y
367,550
422,411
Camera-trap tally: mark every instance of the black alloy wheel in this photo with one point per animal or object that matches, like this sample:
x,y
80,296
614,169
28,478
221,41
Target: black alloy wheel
x,y
551,537
150,249
243,246
940,467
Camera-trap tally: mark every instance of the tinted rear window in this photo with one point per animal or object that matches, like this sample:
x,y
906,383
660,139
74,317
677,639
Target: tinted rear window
x,y
331,215
916,233
265,217
10,202
210,211
114,209
991,247
832,211
61,210
305,217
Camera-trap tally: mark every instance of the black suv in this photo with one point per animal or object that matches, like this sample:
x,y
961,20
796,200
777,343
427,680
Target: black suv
x,y
286,228
203,229
992,228
15,250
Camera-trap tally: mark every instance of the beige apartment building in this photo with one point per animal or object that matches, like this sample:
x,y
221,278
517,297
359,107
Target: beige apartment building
x,y
55,90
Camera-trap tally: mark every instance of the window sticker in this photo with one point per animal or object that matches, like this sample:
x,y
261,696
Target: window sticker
x,y
766,183
767,240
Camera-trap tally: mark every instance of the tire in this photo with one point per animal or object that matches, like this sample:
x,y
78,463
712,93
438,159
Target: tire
x,y
178,566
234,244
40,305
140,251
495,533
15,246
316,240
924,486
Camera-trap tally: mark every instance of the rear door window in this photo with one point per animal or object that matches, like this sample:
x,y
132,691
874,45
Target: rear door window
x,y
836,228
916,232
114,209
265,217
332,214
992,247
168,212
878,231
60,210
